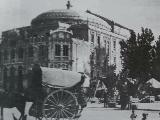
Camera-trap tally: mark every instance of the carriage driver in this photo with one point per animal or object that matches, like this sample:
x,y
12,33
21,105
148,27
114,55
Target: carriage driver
x,y
36,82
34,90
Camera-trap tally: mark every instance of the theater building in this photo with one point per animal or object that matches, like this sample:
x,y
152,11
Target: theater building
x,y
61,38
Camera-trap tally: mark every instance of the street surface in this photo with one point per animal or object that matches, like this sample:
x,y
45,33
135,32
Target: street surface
x,y
96,111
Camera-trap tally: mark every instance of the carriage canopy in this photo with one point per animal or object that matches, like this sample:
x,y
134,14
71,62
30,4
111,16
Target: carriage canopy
x,y
58,77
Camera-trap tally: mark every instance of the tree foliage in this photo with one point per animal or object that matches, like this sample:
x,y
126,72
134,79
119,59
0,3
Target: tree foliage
x,y
129,54
144,54
137,55
101,70
156,60
110,79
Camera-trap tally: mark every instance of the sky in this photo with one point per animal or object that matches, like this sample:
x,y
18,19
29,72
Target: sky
x,y
133,14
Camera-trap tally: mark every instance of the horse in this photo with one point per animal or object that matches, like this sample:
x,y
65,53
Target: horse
x,y
32,87
13,99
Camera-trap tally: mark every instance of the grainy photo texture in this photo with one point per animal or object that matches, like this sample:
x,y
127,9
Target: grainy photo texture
x,y
79,60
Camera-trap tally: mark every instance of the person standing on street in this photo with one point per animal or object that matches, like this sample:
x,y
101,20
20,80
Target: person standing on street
x,y
144,116
124,97
105,98
133,115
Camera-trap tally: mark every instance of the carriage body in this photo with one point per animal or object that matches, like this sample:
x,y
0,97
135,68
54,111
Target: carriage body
x,y
63,96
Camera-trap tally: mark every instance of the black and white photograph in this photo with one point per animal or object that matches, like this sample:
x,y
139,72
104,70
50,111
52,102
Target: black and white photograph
x,y
79,59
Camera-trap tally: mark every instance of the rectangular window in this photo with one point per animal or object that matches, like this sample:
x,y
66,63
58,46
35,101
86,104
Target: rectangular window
x,y
114,45
92,38
98,40
57,50
108,47
105,43
13,54
114,60
30,51
41,50
5,55
0,57
20,53
65,50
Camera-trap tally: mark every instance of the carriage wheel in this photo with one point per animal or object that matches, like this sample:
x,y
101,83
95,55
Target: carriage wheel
x,y
60,105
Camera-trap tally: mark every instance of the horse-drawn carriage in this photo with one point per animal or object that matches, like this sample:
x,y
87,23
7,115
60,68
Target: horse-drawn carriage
x,y
61,96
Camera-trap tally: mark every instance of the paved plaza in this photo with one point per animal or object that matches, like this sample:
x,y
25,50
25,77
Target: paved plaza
x,y
96,111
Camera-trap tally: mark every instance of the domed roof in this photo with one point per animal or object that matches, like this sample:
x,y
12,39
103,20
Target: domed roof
x,y
57,14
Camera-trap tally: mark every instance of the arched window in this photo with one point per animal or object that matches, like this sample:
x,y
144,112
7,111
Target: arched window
x,y
12,79
5,78
65,50
20,53
41,50
30,51
108,46
98,40
5,55
20,78
114,60
57,50
114,45
12,54
92,38
0,57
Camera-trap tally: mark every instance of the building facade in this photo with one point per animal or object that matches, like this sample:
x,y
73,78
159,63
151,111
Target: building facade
x,y
61,39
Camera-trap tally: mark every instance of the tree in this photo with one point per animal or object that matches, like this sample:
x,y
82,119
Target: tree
x,y
156,60
111,79
144,55
129,54
137,56
100,69
98,64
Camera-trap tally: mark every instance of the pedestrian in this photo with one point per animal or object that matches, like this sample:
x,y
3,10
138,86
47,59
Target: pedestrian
x,y
36,92
36,82
133,115
105,98
144,116
124,98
